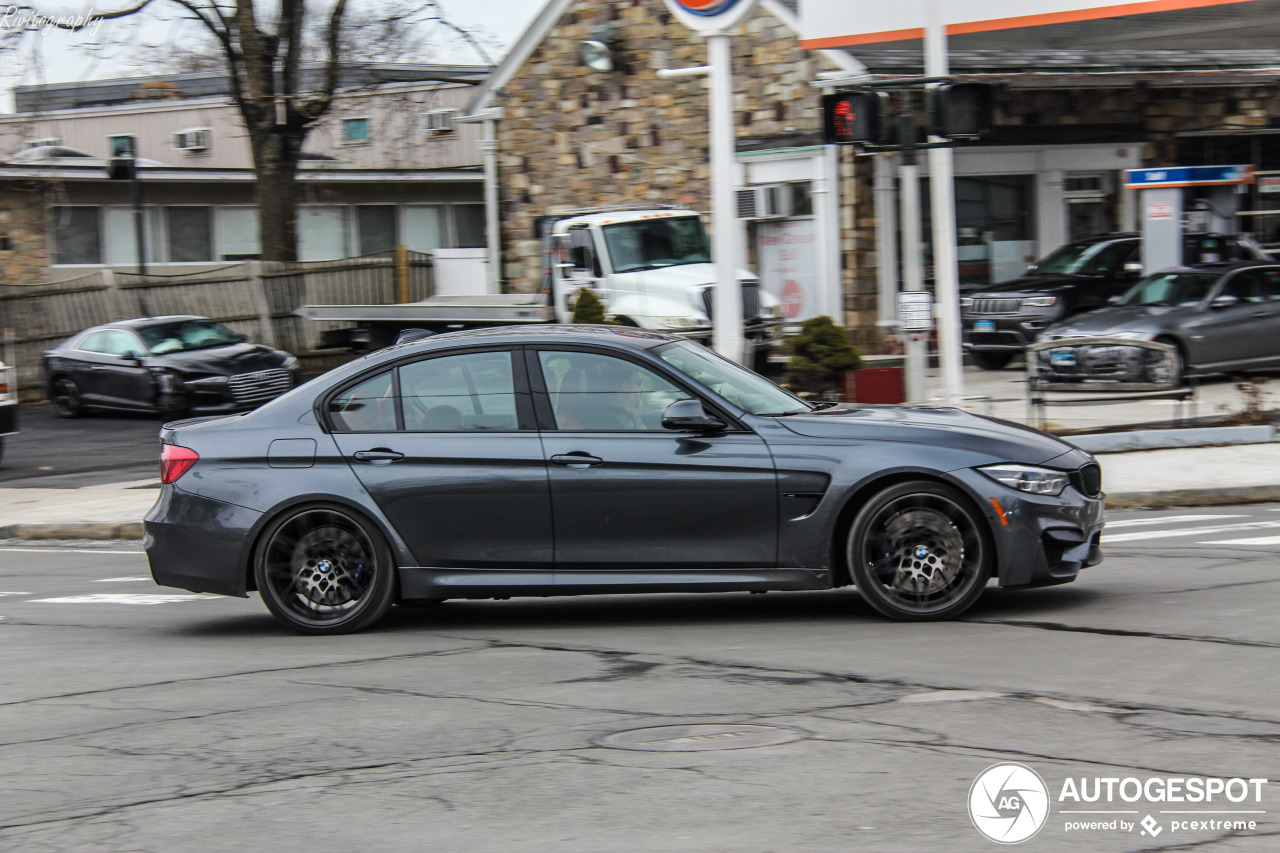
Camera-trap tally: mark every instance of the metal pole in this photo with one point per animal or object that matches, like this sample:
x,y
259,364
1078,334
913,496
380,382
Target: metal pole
x,y
139,221
946,281
917,346
493,237
727,333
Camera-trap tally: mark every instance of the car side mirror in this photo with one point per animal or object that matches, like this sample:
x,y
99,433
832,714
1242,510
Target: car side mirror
x,y
689,416
130,357
1113,300
241,337
1133,269
1226,300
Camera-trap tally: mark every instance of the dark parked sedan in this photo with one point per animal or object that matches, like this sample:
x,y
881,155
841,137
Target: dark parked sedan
x,y
1219,318
566,460
168,365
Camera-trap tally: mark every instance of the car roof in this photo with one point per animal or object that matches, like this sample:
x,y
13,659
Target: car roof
x,y
544,333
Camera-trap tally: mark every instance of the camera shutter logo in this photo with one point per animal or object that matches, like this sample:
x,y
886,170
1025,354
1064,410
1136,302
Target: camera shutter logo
x,y
1008,803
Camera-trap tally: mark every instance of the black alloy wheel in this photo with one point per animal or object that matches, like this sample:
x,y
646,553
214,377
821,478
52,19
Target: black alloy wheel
x,y
919,551
66,398
323,570
991,360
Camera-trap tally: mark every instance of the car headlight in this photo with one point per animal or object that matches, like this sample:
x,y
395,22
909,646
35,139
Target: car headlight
x,y
678,322
1028,478
966,302
205,383
1040,301
290,363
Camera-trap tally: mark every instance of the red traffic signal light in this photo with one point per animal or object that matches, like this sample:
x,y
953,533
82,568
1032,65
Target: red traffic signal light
x,y
856,117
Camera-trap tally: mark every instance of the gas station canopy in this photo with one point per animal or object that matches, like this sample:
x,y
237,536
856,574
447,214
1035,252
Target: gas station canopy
x,y
1075,25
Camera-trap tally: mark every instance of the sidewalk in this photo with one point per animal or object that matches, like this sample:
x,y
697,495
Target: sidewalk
x,y
1184,476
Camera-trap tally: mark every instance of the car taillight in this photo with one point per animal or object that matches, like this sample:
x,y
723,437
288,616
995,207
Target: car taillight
x,y
176,461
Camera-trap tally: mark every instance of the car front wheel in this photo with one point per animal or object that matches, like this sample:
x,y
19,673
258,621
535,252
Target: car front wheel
x,y
66,398
991,360
918,551
323,570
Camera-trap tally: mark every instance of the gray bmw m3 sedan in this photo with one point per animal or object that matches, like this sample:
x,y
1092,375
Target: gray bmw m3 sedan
x,y
570,460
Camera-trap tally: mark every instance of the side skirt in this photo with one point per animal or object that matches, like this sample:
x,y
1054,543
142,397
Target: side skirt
x,y
421,582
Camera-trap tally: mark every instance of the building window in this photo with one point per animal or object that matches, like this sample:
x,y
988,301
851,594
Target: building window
x,y
322,232
423,230
238,233
468,222
190,232
122,145
355,130
376,227
77,235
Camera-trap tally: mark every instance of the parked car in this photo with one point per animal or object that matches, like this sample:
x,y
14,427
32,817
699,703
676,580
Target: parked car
x,y
1218,318
8,404
567,460
1001,320
167,365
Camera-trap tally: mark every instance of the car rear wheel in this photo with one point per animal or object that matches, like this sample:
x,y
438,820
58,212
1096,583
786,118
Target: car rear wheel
x,y
919,551
66,398
991,360
323,570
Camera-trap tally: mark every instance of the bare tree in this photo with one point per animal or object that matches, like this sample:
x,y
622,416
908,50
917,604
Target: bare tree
x,y
283,59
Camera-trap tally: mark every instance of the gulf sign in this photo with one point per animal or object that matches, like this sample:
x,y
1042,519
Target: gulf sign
x,y
842,23
706,8
708,16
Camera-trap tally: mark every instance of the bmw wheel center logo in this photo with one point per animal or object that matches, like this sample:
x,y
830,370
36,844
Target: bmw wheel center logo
x,y
1009,803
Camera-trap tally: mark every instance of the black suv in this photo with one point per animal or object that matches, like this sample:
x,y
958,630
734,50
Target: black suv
x,y
999,321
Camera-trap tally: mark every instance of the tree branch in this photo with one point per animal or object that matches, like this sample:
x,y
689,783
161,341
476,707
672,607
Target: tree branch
x,y
319,105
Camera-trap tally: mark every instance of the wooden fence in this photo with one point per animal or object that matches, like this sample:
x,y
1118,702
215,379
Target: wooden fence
x,y
253,297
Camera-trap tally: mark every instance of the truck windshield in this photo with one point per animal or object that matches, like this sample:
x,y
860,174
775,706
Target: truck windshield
x,y
749,391
652,243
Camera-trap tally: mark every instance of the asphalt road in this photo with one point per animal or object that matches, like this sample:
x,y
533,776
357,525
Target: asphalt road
x,y
135,718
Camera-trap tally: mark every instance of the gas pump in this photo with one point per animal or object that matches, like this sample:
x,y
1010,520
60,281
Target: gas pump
x,y
1177,230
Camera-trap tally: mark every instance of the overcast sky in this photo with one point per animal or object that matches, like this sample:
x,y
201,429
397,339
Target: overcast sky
x,y
56,56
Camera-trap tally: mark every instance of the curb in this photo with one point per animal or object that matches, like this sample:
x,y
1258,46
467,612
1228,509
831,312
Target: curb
x,y
73,530
1194,497
1122,442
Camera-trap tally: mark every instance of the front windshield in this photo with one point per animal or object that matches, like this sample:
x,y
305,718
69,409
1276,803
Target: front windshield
x,y
749,391
1084,258
652,243
184,335
1170,288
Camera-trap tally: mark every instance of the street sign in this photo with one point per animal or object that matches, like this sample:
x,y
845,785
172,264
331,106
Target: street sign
x,y
824,23
915,310
710,15
1188,176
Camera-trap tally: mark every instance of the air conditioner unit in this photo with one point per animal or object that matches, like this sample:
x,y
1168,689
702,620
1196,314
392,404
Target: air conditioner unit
x,y
438,121
767,201
192,139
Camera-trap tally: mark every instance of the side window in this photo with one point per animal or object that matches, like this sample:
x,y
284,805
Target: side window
x,y
582,254
474,391
603,393
367,407
1244,286
1109,261
121,343
96,342
1271,285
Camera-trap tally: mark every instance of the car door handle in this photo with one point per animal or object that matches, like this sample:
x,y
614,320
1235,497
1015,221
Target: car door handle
x,y
576,459
378,456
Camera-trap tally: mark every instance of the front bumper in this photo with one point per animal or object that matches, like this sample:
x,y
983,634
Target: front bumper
x,y
1003,332
8,418
1046,540
1109,361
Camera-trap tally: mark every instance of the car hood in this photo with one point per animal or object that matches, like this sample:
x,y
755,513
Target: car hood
x,y
222,361
949,427
1126,318
1037,284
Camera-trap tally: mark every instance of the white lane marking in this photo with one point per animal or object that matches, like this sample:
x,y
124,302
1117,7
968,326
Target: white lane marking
x,y
127,484
121,598
56,550
3,594
1261,540
1195,531
124,580
1168,519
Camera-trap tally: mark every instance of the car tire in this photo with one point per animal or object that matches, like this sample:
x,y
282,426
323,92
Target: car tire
x,y
66,398
919,551
323,569
992,360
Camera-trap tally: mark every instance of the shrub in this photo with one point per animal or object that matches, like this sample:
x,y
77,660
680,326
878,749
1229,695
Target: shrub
x,y
820,354
587,307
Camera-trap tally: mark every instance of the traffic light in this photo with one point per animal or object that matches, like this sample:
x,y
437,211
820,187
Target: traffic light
x,y
856,117
961,110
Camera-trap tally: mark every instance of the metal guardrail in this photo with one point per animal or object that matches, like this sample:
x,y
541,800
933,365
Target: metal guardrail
x,y
1103,370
